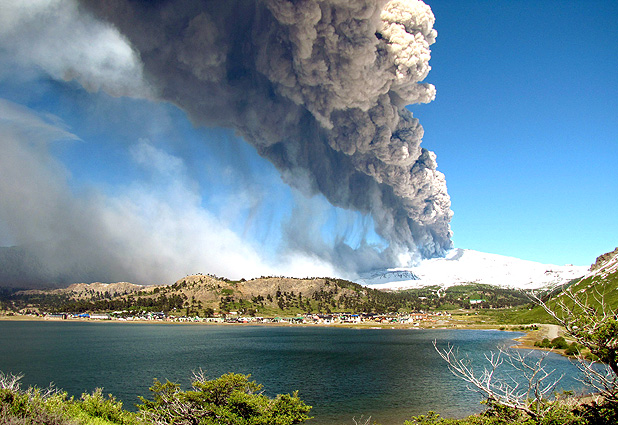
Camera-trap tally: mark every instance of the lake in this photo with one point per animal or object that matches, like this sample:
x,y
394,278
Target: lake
x,y
388,374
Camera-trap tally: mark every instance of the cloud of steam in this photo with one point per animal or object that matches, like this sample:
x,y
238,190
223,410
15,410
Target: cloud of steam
x,y
55,36
146,233
318,87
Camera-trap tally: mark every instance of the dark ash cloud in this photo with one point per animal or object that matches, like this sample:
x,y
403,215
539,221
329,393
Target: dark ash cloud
x,y
318,87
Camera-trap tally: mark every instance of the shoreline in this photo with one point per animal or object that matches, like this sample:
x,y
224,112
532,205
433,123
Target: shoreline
x,y
364,325
545,331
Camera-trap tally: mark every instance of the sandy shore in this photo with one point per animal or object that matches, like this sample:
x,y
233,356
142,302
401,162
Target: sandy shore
x,y
545,331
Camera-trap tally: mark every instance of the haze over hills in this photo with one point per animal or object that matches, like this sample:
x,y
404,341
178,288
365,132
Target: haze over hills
x,y
458,267
465,274
466,266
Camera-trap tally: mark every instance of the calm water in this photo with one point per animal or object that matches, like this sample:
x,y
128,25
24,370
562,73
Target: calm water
x,y
343,373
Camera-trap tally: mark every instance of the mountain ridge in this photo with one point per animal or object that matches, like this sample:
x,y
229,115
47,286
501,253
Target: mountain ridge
x,y
201,294
462,266
605,264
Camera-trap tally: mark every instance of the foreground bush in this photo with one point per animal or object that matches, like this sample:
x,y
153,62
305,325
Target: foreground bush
x,y
233,399
229,400
34,406
559,414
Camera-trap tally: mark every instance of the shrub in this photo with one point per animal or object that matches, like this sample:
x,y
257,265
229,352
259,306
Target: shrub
x,y
229,400
95,405
559,343
559,414
30,407
599,413
572,350
51,407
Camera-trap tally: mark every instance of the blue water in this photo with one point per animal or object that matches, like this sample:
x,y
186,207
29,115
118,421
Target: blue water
x,y
389,375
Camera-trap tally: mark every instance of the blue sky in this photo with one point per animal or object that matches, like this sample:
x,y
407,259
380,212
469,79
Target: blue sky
x,y
524,127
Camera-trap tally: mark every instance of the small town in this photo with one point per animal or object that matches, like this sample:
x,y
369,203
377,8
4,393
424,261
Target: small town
x,y
234,317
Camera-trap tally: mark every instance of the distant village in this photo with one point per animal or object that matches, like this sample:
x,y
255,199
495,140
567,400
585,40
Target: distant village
x,y
237,318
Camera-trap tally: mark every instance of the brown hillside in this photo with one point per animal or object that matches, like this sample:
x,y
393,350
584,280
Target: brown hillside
x,y
197,293
208,288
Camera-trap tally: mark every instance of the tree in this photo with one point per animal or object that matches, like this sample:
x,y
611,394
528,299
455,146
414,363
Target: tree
x,y
589,319
527,394
592,324
229,400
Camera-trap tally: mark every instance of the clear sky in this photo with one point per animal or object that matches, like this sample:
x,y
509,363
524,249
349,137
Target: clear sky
x,y
524,126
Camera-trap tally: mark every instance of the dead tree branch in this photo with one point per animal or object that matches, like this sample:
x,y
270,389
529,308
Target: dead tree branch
x,y
526,392
589,320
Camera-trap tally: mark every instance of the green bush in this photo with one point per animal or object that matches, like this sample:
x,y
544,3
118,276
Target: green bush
x,y
30,407
559,414
599,414
229,400
573,349
559,343
95,405
546,343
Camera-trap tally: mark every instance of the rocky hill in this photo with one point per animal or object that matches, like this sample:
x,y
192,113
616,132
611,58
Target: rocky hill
x,y
265,291
601,282
605,264
202,294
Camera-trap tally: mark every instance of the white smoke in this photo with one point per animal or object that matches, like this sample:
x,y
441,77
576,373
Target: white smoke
x,y
146,232
55,36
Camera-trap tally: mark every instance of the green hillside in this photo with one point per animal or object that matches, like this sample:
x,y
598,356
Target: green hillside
x,y
599,287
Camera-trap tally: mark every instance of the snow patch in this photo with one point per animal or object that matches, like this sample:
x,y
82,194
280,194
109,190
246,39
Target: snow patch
x,y
462,266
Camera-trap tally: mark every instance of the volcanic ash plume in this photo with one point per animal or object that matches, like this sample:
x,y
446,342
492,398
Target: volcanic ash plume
x,y
319,87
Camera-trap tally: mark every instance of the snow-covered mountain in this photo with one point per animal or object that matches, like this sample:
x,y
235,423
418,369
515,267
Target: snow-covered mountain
x,y
464,266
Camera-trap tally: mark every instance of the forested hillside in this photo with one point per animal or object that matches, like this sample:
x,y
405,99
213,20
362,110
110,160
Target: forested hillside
x,y
205,295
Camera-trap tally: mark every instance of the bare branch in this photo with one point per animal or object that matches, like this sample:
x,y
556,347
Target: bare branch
x,y
9,381
527,394
362,421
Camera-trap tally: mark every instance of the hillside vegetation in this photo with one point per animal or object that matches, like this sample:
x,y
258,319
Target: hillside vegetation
x,y
205,295
598,287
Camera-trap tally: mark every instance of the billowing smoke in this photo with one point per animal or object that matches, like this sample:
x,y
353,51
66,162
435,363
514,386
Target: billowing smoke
x,y
319,87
